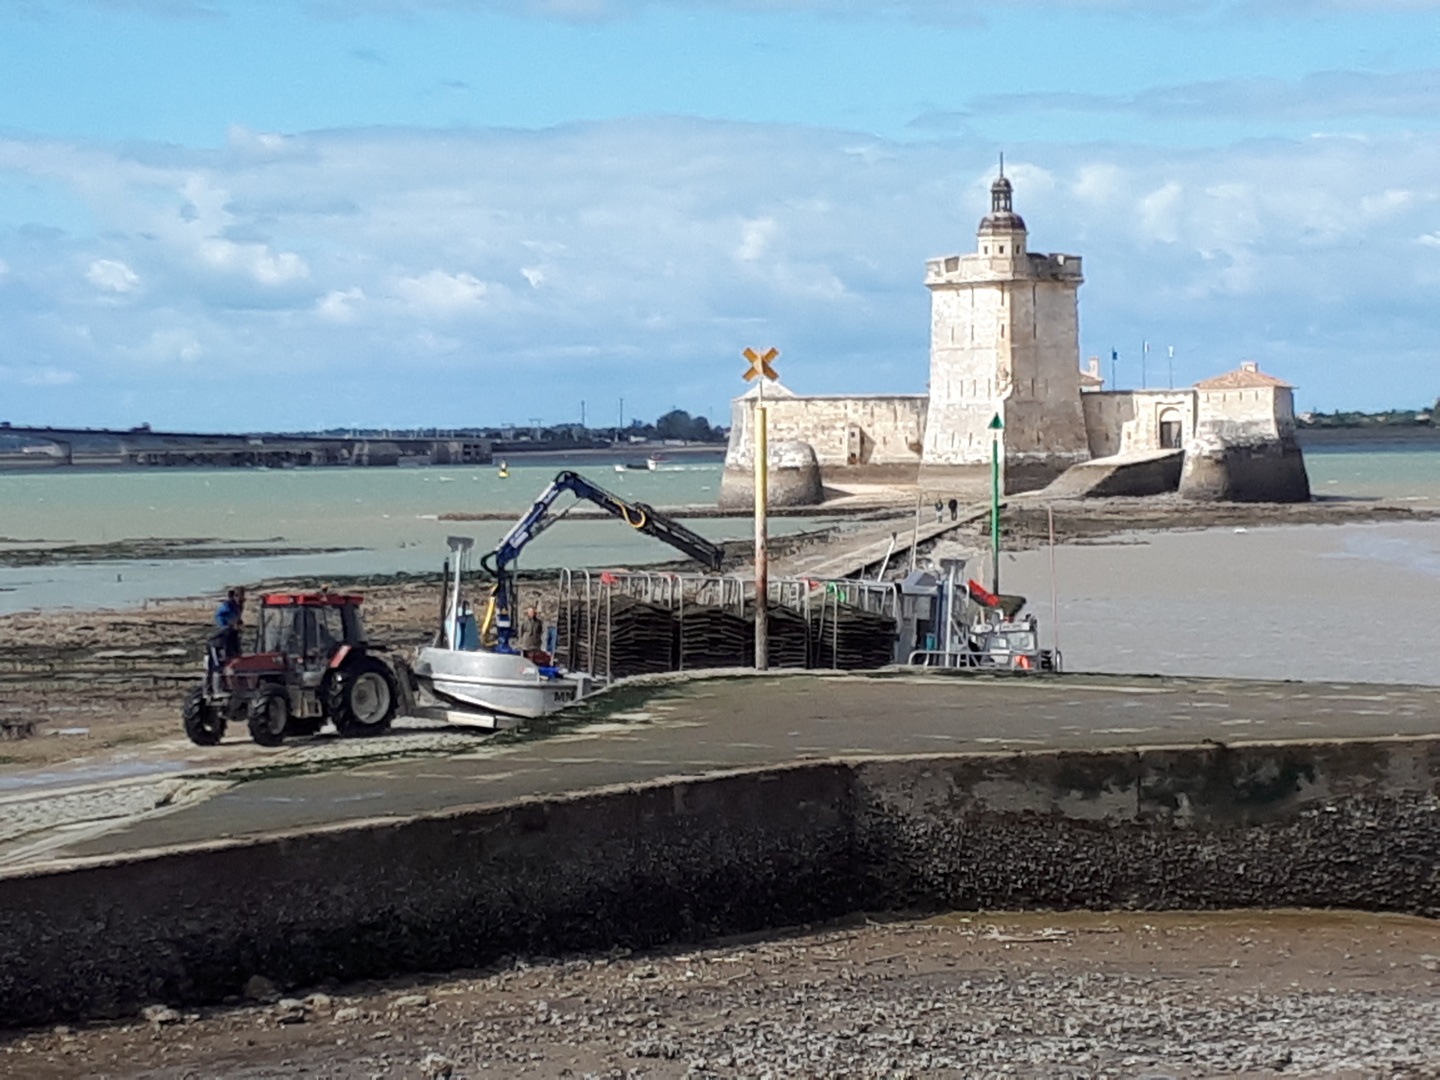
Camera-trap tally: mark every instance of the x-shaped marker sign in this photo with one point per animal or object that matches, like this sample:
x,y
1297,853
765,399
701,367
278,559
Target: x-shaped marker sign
x,y
760,364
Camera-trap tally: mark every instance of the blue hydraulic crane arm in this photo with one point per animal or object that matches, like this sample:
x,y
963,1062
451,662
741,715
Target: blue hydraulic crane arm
x,y
538,518
637,515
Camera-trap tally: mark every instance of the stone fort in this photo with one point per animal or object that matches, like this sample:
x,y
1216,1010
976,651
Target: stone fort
x,y
1005,342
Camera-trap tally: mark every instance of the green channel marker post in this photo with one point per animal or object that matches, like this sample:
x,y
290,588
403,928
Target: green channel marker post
x,y
996,427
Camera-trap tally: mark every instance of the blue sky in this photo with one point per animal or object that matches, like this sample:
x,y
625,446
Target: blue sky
x,y
283,214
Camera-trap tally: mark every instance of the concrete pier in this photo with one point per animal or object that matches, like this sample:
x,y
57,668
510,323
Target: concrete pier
x,y
695,809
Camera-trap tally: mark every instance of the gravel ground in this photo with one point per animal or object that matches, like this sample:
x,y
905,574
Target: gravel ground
x,y
1178,994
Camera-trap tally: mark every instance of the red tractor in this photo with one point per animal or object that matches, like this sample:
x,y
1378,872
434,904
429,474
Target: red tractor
x,y
311,664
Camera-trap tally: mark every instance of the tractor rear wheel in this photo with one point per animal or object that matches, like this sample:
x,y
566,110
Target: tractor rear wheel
x,y
204,723
362,697
268,715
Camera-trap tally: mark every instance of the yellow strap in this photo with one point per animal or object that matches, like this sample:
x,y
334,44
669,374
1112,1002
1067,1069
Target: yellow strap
x,y
625,513
488,621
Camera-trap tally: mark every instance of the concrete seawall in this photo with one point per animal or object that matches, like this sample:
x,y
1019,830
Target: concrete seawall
x,y
1336,824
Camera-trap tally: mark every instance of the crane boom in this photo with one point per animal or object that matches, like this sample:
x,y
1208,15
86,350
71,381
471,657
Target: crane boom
x,y
639,516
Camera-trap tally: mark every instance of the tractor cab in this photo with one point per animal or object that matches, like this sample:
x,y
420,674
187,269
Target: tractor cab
x,y
309,627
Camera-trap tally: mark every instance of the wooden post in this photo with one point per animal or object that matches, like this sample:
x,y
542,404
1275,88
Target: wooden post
x,y
762,556
760,369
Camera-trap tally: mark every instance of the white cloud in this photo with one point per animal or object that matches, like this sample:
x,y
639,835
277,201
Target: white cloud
x,y
48,377
256,261
168,346
1159,210
113,275
444,294
339,305
754,237
260,143
1322,97
375,267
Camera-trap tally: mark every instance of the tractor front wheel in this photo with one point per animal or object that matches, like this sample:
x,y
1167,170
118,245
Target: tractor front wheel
x,y
268,714
362,697
204,723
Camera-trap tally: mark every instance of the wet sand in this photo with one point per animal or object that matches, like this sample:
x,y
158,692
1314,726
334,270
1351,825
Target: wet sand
x,y
1081,994
1316,602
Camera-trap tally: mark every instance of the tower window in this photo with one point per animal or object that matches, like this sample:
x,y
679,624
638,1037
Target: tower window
x,y
1002,249
952,264
987,249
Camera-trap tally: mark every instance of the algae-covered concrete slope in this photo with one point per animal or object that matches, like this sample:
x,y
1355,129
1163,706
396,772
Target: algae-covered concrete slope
x,y
667,726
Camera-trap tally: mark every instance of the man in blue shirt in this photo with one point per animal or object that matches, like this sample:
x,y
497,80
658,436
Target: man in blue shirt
x,y
227,619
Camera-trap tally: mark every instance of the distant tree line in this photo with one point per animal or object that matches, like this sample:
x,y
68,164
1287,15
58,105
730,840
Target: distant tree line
x,y
675,424
1388,418
679,424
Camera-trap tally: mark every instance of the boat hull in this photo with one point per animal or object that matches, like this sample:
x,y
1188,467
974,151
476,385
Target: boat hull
x,y
498,682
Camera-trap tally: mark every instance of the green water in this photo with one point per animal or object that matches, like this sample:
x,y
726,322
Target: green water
x,y
1400,474
374,508
392,516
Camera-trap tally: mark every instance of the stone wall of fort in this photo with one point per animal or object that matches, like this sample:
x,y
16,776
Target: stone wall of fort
x,y
856,438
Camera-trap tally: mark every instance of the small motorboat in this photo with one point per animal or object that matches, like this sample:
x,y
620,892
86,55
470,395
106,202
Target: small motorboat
x,y
510,683
460,670
504,472
656,461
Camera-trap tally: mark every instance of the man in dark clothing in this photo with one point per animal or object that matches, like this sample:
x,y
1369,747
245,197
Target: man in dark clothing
x,y
227,621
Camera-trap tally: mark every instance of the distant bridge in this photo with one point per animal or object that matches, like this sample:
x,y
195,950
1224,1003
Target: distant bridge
x,y
49,447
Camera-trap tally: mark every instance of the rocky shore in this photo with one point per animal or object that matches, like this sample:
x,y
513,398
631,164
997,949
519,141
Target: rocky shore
x,y
1163,995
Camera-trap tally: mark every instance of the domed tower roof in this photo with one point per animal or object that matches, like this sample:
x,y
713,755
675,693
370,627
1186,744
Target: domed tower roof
x,y
1001,218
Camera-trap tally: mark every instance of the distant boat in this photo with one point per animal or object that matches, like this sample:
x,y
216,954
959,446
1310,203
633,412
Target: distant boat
x,y
654,461
504,472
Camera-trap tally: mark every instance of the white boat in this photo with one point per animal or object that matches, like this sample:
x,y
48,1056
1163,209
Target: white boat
x,y
458,671
506,683
655,461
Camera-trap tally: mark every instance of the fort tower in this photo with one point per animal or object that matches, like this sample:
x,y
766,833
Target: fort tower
x,y
1004,339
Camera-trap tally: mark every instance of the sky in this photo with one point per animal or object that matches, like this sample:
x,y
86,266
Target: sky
x,y
303,214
